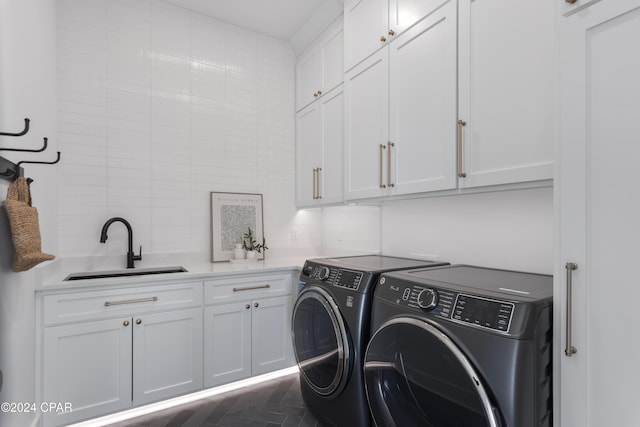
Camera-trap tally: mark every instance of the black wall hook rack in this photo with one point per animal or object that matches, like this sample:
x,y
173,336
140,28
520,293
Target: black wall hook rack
x,y
14,170
24,132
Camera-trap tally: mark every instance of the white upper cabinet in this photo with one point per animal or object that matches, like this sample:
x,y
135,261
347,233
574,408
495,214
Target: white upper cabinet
x,y
404,13
309,154
400,116
369,24
422,92
367,127
320,151
366,27
506,91
320,67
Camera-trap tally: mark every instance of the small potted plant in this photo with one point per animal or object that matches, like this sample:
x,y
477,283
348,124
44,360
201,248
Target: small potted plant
x,y
250,245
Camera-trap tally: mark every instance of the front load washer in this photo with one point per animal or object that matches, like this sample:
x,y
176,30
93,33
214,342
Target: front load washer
x,y
460,346
330,331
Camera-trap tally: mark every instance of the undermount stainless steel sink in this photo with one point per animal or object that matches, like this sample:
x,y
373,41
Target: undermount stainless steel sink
x,y
124,273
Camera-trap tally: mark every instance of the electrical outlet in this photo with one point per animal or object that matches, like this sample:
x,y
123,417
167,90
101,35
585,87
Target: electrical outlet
x,y
294,234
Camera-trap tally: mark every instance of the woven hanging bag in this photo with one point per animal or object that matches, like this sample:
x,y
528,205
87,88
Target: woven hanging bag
x,y
25,230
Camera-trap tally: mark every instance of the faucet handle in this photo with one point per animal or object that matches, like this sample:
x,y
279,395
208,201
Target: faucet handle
x,y
139,256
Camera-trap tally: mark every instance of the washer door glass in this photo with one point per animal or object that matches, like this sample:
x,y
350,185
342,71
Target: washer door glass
x,y
415,375
320,341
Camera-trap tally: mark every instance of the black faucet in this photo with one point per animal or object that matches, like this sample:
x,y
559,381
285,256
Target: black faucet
x,y
130,256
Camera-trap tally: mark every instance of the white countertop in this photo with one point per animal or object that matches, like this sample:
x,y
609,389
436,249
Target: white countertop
x,y
51,278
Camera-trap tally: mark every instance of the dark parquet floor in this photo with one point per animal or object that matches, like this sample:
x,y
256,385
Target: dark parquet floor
x,y
273,403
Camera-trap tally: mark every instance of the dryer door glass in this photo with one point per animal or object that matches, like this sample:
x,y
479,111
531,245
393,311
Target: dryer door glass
x,y
415,375
320,341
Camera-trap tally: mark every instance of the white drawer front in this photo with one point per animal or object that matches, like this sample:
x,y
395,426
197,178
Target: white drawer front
x,y
249,287
92,305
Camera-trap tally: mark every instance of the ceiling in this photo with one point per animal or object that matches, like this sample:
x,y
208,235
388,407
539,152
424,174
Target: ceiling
x,y
281,19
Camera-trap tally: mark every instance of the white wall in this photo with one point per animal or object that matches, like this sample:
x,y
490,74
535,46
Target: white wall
x,y
159,106
509,229
27,89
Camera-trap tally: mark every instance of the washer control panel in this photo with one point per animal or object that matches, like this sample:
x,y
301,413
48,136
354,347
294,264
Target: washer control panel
x,y
344,278
458,307
483,312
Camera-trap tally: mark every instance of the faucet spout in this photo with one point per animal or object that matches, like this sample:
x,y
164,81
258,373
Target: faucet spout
x,y
130,255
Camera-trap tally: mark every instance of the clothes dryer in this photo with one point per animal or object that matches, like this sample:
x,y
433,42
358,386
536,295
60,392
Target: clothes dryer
x,y
460,346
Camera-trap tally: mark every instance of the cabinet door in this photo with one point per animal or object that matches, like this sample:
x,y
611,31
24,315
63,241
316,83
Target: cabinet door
x,y
88,365
366,23
271,335
404,13
507,75
307,78
227,343
332,59
331,175
423,105
309,154
367,126
167,355
320,68
598,210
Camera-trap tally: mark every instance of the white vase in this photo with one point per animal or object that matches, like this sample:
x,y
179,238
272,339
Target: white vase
x,y
251,254
238,252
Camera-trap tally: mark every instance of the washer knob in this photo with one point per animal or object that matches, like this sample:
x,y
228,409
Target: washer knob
x,y
427,299
323,273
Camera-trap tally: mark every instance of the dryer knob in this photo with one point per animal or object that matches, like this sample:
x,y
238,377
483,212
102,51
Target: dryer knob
x,y
427,299
323,273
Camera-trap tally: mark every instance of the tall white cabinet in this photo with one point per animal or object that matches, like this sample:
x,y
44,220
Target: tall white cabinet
x,y
598,207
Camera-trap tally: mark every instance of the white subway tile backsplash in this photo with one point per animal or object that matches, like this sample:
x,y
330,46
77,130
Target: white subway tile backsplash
x,y
160,106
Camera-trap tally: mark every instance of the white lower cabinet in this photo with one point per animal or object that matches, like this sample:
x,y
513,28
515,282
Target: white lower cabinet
x,y
109,350
109,365
87,365
228,343
167,355
251,334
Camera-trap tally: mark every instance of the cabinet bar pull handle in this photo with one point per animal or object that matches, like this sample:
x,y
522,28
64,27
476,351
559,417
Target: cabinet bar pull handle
x,y
382,147
315,170
249,288
130,301
389,182
570,1
461,124
318,196
569,350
